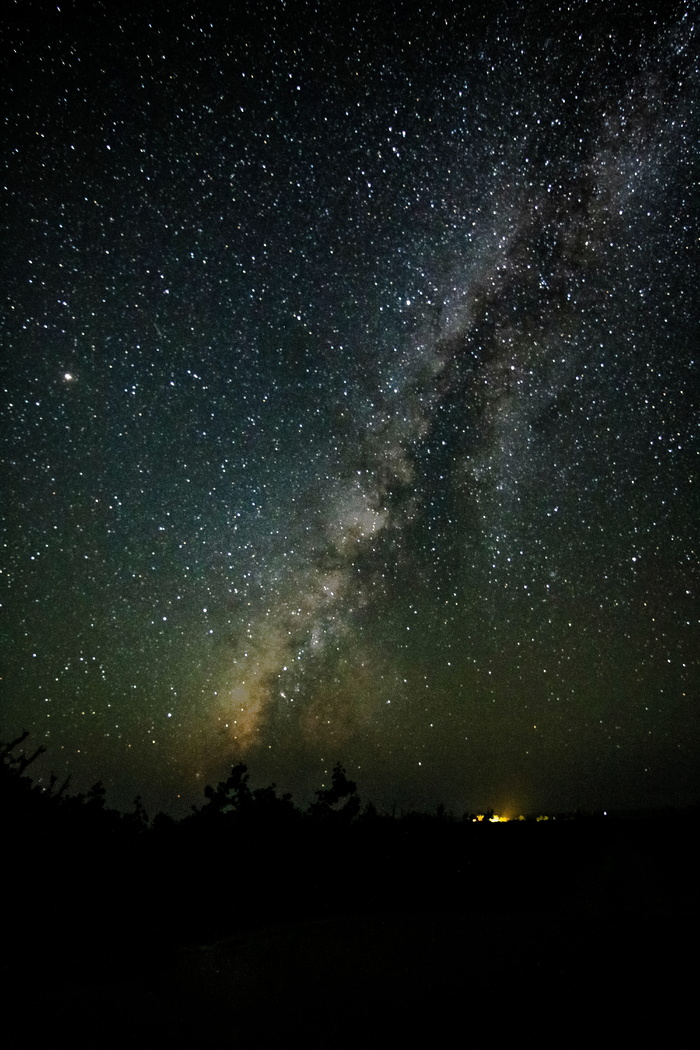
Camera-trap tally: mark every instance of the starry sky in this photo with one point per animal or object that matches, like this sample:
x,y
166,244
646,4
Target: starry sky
x,y
350,398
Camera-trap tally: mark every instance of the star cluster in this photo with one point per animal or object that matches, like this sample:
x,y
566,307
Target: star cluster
x,y
350,398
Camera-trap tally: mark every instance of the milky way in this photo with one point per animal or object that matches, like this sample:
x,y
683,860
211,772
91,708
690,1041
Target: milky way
x,y
351,399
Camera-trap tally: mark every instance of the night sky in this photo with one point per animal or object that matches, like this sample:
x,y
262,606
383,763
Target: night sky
x,y
350,398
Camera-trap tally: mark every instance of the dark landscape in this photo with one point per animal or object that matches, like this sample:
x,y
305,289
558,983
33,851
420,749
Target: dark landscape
x,y
252,920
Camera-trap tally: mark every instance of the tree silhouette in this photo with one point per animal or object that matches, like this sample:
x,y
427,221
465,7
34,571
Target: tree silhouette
x,y
328,799
232,800
230,796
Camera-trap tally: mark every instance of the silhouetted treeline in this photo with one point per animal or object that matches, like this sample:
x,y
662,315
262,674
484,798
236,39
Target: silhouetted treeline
x,y
88,883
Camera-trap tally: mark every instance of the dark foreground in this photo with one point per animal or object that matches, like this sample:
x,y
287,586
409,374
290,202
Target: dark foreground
x,y
359,936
